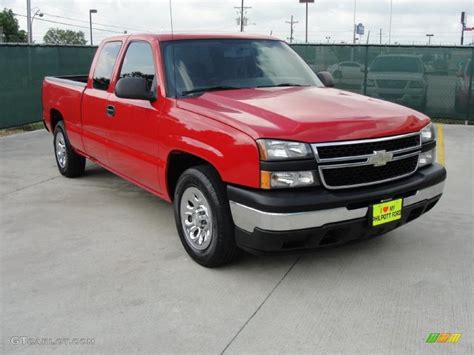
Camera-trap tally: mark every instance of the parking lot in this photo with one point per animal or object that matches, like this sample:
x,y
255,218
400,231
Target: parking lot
x,y
97,257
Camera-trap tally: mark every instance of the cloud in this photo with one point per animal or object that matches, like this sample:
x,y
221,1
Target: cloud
x,y
411,19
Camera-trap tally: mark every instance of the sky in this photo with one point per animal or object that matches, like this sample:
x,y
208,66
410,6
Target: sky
x,y
329,20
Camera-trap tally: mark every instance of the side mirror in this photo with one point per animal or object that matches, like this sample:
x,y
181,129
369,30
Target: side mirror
x,y
133,88
326,79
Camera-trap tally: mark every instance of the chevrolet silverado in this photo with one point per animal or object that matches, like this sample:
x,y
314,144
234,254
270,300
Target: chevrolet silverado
x,y
255,151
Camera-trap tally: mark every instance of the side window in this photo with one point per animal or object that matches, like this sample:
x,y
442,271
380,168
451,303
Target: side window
x,y
138,62
105,65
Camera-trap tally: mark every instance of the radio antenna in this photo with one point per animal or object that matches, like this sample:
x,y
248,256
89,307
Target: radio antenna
x,y
172,53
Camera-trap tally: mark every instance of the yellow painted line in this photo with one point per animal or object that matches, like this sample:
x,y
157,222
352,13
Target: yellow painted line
x,y
440,144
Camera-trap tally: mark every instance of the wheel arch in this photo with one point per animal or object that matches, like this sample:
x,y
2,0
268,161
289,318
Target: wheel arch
x,y
179,161
55,116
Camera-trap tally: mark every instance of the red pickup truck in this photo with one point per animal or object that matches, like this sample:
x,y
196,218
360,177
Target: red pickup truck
x,y
255,150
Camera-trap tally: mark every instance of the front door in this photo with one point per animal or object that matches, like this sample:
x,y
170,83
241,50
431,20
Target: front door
x,y
133,136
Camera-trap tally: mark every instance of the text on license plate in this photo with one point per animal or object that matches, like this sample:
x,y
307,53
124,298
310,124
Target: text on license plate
x,y
386,212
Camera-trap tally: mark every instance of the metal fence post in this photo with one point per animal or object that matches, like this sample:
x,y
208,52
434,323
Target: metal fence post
x,y
366,67
469,95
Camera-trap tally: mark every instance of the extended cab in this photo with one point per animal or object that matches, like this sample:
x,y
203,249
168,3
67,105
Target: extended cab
x,y
255,151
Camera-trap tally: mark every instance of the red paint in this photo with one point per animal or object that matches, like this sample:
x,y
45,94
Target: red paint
x,y
219,127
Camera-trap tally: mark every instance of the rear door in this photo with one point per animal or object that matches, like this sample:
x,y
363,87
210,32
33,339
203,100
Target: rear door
x,y
134,131
95,121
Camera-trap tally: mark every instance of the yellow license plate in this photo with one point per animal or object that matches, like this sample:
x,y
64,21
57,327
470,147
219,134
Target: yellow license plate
x,y
386,212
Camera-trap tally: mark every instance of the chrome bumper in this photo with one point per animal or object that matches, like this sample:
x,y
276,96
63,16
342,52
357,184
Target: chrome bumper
x,y
248,218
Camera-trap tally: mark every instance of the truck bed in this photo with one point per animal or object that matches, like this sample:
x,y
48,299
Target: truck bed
x,y
76,80
63,94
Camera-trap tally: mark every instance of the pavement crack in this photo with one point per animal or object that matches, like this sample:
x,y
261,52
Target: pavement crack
x,y
261,305
28,186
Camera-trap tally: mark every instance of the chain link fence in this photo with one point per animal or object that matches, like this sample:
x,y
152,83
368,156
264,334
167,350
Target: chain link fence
x,y
23,68
434,80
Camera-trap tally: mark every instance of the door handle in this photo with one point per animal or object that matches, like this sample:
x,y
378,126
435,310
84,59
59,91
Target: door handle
x,y
110,110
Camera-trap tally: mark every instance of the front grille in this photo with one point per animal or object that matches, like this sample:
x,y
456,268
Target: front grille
x,y
353,149
368,174
392,84
344,165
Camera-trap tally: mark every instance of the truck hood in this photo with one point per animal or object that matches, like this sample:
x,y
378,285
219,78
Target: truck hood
x,y
306,114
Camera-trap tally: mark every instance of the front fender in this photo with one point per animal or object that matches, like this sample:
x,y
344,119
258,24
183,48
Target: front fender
x,y
231,152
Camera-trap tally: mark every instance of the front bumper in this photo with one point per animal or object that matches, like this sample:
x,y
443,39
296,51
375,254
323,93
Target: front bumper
x,y
272,221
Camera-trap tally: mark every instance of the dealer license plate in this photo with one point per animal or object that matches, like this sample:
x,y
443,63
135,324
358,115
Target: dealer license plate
x,y
386,212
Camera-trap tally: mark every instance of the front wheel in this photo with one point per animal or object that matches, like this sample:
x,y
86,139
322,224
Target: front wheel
x,y
69,163
203,217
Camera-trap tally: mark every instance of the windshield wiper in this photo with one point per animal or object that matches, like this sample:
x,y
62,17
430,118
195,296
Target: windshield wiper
x,y
211,88
280,85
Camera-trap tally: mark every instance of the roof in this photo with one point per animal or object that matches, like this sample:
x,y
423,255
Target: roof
x,y
187,36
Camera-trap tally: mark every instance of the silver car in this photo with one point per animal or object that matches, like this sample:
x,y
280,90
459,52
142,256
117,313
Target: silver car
x,y
398,78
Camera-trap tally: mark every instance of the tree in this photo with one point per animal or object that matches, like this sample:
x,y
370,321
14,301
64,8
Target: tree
x,y
59,36
11,29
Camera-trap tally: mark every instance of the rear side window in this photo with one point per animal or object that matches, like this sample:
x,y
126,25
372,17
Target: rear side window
x,y
105,65
138,62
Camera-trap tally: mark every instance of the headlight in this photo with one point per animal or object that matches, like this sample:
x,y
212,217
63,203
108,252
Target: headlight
x,y
284,179
283,150
428,133
427,158
417,85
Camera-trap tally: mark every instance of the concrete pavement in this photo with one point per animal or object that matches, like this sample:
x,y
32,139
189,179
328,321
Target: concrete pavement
x,y
97,257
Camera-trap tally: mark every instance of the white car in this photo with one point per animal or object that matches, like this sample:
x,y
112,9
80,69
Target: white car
x,y
398,78
347,74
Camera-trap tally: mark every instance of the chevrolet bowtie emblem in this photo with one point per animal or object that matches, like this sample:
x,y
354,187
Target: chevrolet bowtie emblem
x,y
380,158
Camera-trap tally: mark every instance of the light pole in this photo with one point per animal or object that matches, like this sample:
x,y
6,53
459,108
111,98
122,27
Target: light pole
x,y
354,23
28,20
242,16
429,35
242,20
37,13
291,23
306,2
463,24
91,11
390,23
306,25
30,24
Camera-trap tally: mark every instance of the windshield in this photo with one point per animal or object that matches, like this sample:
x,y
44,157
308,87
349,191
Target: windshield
x,y
396,64
219,64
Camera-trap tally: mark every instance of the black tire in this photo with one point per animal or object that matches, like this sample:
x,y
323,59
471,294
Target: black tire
x,y
222,248
74,164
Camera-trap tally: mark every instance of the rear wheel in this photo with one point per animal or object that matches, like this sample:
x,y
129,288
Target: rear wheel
x,y
69,163
203,217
